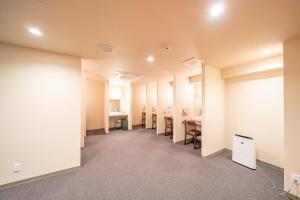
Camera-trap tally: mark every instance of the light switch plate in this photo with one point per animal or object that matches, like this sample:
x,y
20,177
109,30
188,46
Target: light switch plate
x,y
17,167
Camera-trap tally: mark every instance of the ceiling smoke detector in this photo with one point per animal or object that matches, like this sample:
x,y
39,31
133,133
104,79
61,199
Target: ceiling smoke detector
x,y
167,47
106,48
192,62
128,76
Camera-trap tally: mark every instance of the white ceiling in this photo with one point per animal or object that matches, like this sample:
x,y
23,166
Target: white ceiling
x,y
137,28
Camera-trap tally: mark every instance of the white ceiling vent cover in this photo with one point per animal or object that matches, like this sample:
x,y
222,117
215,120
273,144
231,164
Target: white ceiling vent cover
x,y
106,48
192,62
128,76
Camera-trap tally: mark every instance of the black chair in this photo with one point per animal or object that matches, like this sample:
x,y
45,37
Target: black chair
x,y
169,127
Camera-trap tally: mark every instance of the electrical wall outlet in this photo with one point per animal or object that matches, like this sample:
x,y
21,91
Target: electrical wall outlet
x,y
17,167
295,178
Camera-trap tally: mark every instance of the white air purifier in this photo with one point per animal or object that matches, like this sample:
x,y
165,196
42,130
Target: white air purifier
x,y
243,151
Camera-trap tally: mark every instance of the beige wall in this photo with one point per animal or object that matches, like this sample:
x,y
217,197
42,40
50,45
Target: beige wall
x,y
254,107
116,91
151,101
164,100
213,130
94,104
198,100
40,121
122,91
291,54
114,105
138,102
254,95
258,66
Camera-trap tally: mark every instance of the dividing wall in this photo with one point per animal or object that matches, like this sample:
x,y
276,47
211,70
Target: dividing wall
x,y
213,120
164,102
183,99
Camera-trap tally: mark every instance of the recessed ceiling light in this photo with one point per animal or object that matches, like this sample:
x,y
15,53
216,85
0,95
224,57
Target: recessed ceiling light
x,y
150,59
216,10
266,52
35,31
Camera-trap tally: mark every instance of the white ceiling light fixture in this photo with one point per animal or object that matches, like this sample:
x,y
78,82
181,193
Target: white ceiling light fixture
x,y
150,59
35,31
266,52
216,10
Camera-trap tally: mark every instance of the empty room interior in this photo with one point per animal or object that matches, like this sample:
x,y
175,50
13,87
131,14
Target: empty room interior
x,y
160,99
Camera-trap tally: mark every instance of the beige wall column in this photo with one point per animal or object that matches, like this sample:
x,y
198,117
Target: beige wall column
x,y
291,53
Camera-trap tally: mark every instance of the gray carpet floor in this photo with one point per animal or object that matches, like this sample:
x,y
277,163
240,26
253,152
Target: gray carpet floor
x,y
140,165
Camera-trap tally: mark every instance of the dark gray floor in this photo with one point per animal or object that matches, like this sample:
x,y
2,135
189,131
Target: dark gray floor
x,y
140,165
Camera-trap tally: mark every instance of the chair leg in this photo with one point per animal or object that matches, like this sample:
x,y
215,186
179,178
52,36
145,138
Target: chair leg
x,y
171,133
194,138
185,139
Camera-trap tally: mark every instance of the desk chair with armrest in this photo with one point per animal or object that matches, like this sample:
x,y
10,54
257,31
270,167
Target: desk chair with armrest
x,y
191,130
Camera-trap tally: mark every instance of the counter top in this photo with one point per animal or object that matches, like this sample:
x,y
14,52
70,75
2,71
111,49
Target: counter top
x,y
117,114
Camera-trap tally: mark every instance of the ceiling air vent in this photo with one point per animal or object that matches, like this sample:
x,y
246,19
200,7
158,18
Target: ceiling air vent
x,y
128,76
45,2
106,48
192,62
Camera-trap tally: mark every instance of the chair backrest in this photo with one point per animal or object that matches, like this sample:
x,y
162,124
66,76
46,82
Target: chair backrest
x,y
189,125
153,117
168,121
